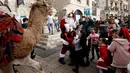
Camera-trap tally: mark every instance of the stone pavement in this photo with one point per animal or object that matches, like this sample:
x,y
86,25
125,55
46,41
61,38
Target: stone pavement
x,y
51,65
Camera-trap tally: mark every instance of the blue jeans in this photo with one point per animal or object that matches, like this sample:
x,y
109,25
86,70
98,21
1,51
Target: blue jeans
x,y
50,27
57,26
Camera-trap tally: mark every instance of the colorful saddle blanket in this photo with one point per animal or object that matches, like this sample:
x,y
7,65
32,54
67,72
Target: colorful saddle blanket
x,y
10,31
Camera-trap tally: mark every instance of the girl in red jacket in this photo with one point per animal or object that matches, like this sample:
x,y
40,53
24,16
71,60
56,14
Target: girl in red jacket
x,y
103,61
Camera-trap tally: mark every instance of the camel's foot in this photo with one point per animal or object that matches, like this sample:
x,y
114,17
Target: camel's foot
x,y
29,62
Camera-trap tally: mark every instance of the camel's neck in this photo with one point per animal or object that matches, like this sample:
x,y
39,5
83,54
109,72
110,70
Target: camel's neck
x,y
36,22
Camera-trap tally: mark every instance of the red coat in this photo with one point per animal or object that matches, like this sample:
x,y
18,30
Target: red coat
x,y
104,60
70,39
62,25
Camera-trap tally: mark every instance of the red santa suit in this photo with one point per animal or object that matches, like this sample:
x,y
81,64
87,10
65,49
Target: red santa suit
x,y
65,28
103,61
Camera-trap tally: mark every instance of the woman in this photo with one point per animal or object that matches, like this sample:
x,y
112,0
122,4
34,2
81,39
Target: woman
x,y
119,47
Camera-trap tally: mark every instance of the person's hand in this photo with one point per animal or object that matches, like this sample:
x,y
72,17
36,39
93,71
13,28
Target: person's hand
x,y
65,34
86,38
79,36
97,61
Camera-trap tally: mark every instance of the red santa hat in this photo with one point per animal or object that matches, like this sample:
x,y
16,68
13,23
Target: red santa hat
x,y
125,32
126,35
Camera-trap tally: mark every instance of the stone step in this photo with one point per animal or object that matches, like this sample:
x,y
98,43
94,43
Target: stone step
x,y
50,36
43,42
43,47
44,39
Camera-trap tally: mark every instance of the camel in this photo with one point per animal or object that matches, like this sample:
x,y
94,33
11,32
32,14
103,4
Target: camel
x,y
21,50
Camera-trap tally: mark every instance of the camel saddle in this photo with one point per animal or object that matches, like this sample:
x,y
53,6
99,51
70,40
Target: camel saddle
x,y
10,31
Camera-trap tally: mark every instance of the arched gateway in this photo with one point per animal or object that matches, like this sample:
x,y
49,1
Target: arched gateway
x,y
78,14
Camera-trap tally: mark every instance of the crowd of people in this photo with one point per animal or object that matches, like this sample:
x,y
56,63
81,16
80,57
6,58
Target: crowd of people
x,y
112,50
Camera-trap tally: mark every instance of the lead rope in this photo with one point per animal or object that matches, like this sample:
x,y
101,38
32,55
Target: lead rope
x,y
14,69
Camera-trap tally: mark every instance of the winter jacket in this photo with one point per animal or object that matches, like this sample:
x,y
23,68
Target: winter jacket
x,y
77,43
94,38
121,56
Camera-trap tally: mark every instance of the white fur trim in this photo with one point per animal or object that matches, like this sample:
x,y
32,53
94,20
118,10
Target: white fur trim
x,y
71,28
62,55
101,60
67,27
128,68
64,42
102,67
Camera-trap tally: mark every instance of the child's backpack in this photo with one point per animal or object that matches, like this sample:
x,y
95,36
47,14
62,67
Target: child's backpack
x,y
10,31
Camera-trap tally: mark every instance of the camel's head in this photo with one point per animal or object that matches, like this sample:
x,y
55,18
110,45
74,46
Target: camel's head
x,y
43,7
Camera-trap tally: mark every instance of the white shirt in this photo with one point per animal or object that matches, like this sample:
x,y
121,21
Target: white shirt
x,y
50,19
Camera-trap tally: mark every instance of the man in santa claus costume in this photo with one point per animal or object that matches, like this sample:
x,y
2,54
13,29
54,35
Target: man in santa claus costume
x,y
67,24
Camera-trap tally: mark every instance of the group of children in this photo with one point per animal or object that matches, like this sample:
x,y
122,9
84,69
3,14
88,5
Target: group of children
x,y
111,51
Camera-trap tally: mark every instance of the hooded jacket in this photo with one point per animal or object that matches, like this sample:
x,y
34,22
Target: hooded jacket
x,y
121,56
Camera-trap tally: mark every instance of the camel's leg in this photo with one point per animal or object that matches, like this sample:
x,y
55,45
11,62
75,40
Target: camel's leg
x,y
29,62
7,68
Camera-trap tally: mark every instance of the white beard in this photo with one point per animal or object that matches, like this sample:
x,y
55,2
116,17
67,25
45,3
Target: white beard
x,y
71,22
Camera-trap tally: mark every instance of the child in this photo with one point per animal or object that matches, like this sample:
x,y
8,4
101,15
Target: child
x,y
119,47
94,43
78,52
103,61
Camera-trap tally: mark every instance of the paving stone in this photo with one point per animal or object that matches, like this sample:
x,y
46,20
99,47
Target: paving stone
x,y
51,65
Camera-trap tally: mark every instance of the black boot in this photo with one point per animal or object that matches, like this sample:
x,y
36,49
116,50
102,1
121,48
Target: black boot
x,y
88,62
76,71
92,59
61,60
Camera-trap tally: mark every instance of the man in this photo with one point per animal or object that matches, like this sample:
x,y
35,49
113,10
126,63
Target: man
x,y
66,29
57,25
50,23
25,23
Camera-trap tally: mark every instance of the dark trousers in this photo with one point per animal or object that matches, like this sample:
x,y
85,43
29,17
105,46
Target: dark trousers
x,y
72,54
78,59
95,47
